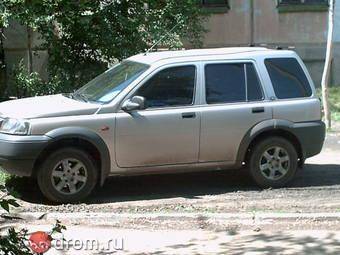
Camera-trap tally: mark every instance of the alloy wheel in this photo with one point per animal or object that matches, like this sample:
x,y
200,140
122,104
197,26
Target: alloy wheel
x,y
274,163
69,176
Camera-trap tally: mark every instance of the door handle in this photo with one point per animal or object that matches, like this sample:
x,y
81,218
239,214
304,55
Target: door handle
x,y
188,115
257,110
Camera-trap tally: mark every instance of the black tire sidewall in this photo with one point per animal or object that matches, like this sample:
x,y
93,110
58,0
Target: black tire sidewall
x,y
258,151
45,172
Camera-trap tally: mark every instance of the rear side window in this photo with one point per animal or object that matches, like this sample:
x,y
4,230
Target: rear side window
x,y
288,78
228,83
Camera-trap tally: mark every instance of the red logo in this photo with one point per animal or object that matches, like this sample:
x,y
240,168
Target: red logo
x,y
40,242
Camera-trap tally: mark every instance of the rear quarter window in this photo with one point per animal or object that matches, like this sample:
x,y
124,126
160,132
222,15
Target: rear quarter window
x,y
288,78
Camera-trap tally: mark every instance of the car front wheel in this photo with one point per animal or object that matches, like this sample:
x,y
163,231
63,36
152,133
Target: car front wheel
x,y
273,162
67,175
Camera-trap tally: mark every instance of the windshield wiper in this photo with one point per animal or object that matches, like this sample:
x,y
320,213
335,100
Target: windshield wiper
x,y
80,96
68,95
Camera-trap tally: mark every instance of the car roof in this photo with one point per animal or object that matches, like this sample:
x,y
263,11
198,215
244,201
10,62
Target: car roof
x,y
188,55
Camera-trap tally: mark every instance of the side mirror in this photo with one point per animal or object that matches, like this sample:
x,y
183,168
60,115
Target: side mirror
x,y
135,103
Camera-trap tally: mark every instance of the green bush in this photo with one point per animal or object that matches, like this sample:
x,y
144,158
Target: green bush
x,y
3,177
30,84
334,101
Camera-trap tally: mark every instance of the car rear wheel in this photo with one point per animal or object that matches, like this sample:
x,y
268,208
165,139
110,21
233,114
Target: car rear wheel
x,y
273,162
67,175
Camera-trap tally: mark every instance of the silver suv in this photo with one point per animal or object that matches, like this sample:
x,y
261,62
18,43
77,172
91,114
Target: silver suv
x,y
165,112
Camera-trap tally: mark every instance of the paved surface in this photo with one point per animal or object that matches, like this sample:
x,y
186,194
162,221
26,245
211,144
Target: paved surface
x,y
315,189
217,233
104,240
265,233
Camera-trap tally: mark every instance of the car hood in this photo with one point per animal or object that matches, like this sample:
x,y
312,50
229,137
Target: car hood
x,y
45,106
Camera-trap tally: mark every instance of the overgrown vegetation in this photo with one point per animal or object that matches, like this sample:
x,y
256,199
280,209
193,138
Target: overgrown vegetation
x,y
82,37
334,101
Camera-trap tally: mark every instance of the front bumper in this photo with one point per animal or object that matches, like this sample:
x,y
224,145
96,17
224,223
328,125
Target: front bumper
x,y
19,153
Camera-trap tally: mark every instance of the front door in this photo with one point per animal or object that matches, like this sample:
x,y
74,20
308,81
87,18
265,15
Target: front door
x,y
167,131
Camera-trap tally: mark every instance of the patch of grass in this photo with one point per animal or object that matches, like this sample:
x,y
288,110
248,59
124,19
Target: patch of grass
x,y
4,177
8,180
334,101
12,183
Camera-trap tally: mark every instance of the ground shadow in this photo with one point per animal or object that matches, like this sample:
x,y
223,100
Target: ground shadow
x,y
254,243
189,185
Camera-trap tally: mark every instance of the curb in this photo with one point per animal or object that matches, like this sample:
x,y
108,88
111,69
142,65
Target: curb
x,y
240,217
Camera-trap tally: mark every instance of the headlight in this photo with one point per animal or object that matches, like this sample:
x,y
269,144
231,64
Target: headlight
x,y
14,127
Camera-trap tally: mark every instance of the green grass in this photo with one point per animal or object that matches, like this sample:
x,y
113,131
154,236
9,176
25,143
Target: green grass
x,y
11,182
4,177
334,101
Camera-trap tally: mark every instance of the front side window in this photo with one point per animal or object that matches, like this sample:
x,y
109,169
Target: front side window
x,y
229,83
288,78
174,86
108,85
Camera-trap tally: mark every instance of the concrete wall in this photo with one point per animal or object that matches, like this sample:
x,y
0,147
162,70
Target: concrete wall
x,y
306,31
231,28
16,46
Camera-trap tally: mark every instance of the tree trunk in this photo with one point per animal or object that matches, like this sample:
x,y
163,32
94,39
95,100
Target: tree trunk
x,y
328,63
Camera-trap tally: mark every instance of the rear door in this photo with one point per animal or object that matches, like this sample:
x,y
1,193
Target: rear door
x,y
235,102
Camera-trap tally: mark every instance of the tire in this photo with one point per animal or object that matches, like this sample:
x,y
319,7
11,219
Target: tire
x,y
273,162
67,176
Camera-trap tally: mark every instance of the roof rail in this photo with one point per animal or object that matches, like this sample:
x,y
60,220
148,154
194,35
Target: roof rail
x,y
277,47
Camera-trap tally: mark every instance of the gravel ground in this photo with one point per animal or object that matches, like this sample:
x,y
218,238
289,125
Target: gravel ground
x,y
316,188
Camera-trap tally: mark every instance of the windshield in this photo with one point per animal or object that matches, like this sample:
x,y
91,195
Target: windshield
x,y
108,85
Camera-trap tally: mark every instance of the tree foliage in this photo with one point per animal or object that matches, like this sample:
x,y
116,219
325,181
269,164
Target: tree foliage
x,y
83,36
30,84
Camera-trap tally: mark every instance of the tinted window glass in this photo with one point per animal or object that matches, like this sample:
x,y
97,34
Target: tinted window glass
x,y
170,87
306,2
215,3
254,90
288,78
225,83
